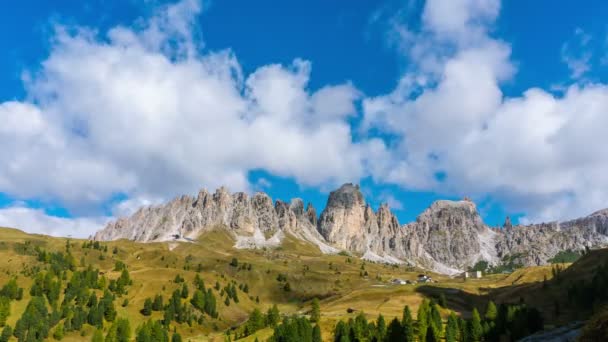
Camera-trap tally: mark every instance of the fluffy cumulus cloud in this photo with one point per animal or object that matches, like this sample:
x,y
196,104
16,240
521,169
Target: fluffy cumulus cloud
x,y
539,153
148,113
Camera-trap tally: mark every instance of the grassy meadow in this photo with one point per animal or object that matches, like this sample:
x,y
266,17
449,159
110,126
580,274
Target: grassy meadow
x,y
345,285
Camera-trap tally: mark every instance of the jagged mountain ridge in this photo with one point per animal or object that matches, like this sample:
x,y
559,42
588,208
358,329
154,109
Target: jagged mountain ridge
x,y
448,237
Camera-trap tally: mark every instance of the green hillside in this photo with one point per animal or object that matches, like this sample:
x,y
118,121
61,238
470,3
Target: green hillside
x,y
128,277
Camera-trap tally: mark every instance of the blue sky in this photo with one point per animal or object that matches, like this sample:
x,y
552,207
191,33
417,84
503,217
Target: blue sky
x,y
414,100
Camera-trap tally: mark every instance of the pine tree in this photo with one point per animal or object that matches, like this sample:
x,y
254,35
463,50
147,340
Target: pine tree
x,y
491,311
436,322
423,315
255,322
273,316
475,331
5,309
97,336
316,334
462,329
380,327
120,331
176,337
407,324
315,315
147,309
58,333
6,333
431,334
451,329
184,292
394,332
157,305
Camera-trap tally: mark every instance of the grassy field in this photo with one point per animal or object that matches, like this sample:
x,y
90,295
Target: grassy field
x,y
337,280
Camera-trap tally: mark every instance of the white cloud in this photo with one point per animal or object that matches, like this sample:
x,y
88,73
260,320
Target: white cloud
x,y
391,201
577,54
147,112
37,221
540,153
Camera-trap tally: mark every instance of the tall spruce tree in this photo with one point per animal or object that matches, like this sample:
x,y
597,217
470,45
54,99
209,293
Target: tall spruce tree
x,y
316,334
381,328
408,324
423,318
435,321
394,331
491,311
475,330
315,314
451,328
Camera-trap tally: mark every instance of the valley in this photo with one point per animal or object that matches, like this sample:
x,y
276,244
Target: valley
x,y
289,276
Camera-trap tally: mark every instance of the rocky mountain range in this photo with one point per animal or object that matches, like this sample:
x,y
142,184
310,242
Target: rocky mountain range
x,y
448,237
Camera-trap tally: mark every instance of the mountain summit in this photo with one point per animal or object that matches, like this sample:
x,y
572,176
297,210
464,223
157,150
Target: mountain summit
x,y
447,237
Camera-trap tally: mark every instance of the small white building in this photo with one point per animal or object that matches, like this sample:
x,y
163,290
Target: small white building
x,y
423,278
472,274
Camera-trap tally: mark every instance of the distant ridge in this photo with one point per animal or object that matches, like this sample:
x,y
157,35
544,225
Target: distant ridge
x,y
447,237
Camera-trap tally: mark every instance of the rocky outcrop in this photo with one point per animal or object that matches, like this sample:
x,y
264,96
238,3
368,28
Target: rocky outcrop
x,y
252,220
536,244
448,237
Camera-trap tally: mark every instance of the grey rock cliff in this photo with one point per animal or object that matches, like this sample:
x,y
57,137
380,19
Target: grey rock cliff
x,y
448,237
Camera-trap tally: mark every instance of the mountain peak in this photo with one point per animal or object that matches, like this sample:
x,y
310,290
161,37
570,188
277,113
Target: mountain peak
x,y
346,196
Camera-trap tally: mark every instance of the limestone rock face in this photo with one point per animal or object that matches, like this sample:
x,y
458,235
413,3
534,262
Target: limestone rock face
x,y
253,219
536,244
448,237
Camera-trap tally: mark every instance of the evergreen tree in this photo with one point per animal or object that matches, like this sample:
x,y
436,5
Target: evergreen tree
x,y
6,333
431,335
462,330
5,309
11,290
210,304
341,332
451,329
394,331
315,315
157,305
408,324
34,323
273,316
474,331
316,334
107,304
380,328
58,333
491,311
97,336
176,337
184,292
198,300
147,309
436,322
120,331
423,317
255,321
